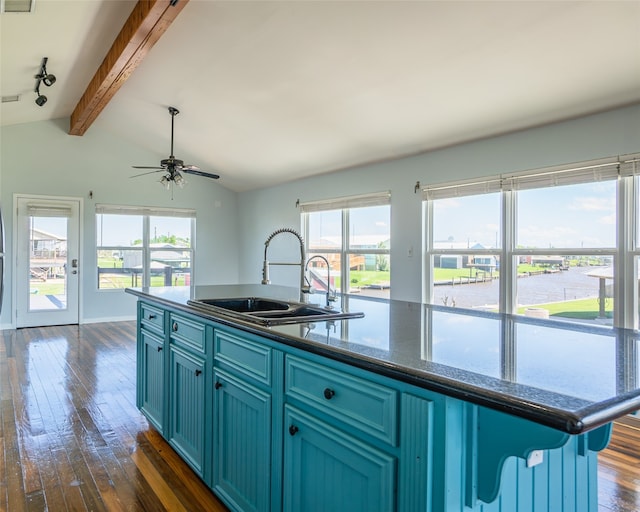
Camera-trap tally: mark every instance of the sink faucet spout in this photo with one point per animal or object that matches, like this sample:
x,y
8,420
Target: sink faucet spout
x,y
266,263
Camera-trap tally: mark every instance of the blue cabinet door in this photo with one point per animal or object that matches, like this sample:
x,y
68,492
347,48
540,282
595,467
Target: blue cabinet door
x,y
187,407
151,378
242,443
329,470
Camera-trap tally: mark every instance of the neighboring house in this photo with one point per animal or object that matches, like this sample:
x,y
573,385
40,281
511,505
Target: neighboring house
x,y
46,245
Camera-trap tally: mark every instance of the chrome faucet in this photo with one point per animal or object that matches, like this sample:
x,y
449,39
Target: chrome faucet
x,y
330,297
304,288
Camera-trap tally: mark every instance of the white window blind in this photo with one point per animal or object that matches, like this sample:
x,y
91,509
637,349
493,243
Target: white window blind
x,y
584,172
561,176
462,188
145,210
48,210
376,199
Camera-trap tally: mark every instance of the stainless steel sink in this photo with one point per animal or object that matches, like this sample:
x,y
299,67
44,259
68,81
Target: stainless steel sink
x,y
245,304
268,311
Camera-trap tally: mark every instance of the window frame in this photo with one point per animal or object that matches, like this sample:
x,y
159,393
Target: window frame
x,y
146,213
625,255
345,205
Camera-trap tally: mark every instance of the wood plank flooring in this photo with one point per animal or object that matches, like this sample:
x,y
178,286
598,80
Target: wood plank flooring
x,y
71,437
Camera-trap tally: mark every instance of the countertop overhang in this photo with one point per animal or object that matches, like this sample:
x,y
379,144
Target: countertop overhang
x,y
571,377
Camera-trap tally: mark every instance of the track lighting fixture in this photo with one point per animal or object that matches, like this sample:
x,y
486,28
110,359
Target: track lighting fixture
x,y
45,78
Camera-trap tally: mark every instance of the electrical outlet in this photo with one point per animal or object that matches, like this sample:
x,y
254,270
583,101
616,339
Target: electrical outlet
x,y
535,457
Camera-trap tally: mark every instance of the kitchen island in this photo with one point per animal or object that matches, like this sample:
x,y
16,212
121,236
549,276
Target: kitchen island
x,y
412,407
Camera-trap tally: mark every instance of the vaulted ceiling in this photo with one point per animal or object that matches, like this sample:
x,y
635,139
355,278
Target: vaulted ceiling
x,y
272,91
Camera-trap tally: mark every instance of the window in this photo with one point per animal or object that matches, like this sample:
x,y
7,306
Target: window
x,y
549,243
353,235
144,246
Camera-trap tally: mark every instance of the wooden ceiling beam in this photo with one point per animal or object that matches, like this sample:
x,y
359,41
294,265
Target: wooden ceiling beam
x,y
144,27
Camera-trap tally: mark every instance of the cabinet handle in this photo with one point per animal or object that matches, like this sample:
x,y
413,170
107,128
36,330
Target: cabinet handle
x,y
197,372
329,393
293,430
217,385
175,326
151,317
160,348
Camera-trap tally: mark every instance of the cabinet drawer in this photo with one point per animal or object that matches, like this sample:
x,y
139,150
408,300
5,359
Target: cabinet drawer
x,y
247,357
365,405
152,318
187,332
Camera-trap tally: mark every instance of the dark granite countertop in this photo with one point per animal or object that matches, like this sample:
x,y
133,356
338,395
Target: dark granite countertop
x,y
571,377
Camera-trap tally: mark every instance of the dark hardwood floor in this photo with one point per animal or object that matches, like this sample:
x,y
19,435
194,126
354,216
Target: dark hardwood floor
x,y
71,437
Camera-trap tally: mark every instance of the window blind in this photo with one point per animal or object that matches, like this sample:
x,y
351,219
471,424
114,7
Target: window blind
x,y
48,210
462,188
360,201
553,177
145,210
584,172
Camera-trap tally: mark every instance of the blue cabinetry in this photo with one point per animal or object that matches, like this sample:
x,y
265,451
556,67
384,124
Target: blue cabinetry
x,y
270,426
186,429
188,379
150,396
327,469
151,382
242,421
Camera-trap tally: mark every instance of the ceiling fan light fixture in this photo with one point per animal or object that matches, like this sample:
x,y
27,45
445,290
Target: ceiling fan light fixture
x,y
172,167
180,181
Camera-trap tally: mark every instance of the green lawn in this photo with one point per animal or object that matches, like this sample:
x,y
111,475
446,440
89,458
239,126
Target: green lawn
x,y
582,309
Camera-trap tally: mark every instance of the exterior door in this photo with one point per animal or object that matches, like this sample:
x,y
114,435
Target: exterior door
x,y
47,266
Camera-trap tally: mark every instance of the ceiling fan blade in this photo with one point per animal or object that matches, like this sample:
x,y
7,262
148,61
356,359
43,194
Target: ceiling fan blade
x,y
191,169
147,167
145,173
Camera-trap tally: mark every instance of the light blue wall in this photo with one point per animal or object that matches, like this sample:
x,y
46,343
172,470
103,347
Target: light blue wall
x,y
261,211
42,159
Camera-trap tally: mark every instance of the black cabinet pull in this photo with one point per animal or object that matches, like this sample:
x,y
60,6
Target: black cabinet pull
x,y
151,317
293,430
198,372
160,348
217,385
329,393
175,326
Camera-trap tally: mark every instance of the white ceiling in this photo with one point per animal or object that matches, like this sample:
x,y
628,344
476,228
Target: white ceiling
x,y
271,91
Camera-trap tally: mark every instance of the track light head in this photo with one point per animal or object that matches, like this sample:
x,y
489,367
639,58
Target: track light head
x,y
49,80
44,78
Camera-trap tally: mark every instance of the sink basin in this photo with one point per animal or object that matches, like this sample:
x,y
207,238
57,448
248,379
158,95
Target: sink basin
x,y
270,312
246,304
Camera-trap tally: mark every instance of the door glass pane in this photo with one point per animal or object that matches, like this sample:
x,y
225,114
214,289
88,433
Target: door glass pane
x,y
47,263
572,216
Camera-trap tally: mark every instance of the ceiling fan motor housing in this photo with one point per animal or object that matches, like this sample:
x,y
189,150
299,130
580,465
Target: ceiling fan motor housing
x,y
172,162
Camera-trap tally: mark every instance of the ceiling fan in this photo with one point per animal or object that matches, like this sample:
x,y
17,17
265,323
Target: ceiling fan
x,y
173,167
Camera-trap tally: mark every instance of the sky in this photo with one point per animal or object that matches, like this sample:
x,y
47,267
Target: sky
x,y
576,216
